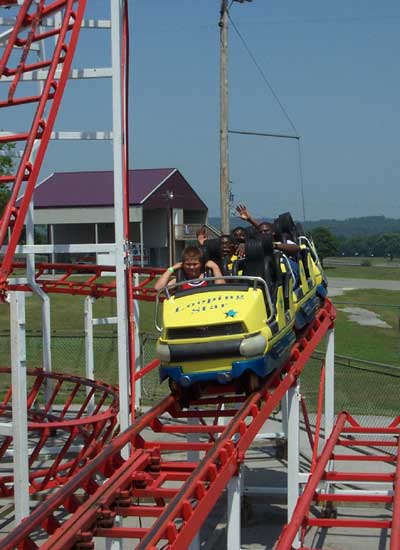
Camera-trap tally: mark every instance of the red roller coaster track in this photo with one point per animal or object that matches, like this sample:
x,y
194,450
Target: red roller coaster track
x,y
166,499
81,424
348,433
25,33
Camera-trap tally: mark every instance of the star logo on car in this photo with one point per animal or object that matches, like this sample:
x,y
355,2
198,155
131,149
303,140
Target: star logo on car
x,y
231,313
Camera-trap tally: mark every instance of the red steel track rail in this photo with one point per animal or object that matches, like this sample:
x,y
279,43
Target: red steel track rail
x,y
25,33
348,433
86,280
66,427
164,498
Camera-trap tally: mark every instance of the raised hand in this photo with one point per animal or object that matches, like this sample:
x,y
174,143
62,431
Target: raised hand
x,y
201,235
243,212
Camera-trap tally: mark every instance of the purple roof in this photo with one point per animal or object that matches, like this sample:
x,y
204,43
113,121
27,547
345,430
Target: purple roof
x,y
147,187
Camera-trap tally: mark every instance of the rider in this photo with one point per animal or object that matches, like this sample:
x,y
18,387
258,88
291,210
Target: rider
x,y
288,247
193,269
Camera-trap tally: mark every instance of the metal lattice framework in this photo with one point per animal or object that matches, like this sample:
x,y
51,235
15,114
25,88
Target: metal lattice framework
x,y
74,415
168,498
364,445
87,280
25,33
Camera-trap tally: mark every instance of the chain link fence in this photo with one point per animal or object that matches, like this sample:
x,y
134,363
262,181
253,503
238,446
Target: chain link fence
x,y
366,389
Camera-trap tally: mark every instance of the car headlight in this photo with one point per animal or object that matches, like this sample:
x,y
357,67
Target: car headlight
x,y
254,345
163,353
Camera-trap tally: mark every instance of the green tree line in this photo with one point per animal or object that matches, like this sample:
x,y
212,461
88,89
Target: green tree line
x,y
382,244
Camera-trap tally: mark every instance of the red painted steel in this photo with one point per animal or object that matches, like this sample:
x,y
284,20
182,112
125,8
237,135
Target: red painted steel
x,y
346,425
307,422
395,534
170,499
25,32
64,433
86,280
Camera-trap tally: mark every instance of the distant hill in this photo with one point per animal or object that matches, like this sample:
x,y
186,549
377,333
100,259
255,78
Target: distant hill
x,y
351,227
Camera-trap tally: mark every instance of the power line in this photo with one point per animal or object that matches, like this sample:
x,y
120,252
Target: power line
x,y
296,136
263,75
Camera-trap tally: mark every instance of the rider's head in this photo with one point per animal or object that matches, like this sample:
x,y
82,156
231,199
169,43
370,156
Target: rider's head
x,y
192,262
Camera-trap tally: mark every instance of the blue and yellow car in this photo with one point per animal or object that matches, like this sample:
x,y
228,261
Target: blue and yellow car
x,y
237,332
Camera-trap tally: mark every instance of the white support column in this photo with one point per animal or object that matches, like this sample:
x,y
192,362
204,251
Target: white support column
x,y
122,306
89,353
329,382
96,238
115,544
141,241
46,317
293,451
284,409
19,405
233,527
53,256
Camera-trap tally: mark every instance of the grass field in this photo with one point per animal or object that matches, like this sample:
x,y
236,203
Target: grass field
x,y
390,273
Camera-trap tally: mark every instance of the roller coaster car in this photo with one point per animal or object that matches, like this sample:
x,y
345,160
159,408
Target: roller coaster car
x,y
311,286
234,332
240,331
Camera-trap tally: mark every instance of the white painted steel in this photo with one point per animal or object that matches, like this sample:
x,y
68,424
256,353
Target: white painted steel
x,y
45,299
329,382
63,248
86,136
105,321
122,305
115,544
19,405
233,513
76,74
285,413
6,428
49,22
293,451
89,353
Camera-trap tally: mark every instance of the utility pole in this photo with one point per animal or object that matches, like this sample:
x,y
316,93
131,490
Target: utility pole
x,y
224,175
224,165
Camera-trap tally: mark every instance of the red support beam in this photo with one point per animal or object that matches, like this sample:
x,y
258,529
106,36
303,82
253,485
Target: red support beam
x,y
395,534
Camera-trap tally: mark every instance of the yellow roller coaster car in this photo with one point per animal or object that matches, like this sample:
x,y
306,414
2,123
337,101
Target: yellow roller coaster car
x,y
239,331
225,332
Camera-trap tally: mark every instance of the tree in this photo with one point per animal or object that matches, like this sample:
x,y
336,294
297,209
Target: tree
x,y
6,166
325,242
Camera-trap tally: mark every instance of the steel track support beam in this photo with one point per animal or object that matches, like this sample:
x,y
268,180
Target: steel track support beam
x,y
329,382
115,544
89,353
120,266
19,409
234,512
293,489
44,297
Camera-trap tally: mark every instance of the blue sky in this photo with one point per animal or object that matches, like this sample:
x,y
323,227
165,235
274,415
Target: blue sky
x,y
334,66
